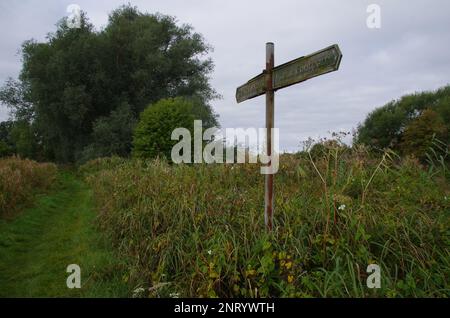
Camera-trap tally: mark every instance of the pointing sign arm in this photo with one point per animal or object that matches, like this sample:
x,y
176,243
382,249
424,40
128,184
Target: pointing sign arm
x,y
307,67
293,72
254,87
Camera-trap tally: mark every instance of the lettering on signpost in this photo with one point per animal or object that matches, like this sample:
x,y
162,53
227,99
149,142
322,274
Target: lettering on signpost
x,y
293,72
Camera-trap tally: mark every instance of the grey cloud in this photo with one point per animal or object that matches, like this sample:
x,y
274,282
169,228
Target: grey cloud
x,y
409,53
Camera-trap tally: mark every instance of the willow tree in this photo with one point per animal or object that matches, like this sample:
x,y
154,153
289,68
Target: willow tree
x,y
81,78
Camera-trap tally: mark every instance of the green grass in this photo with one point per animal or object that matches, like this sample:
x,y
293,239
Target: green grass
x,y
37,246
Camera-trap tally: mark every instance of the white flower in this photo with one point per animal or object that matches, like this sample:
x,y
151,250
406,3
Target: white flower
x,y
341,207
209,252
174,295
137,292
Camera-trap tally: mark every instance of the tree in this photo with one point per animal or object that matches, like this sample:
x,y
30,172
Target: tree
x,y
385,126
25,140
16,96
419,134
152,136
5,131
6,140
112,135
71,84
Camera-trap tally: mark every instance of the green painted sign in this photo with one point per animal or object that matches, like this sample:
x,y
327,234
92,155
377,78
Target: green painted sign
x,y
293,72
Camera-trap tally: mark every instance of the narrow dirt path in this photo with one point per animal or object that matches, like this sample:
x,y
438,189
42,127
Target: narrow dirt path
x,y
38,245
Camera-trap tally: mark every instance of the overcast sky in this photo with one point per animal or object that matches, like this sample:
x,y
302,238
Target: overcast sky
x,y
410,52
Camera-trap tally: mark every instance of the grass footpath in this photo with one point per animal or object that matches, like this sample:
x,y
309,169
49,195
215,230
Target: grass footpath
x,y
38,245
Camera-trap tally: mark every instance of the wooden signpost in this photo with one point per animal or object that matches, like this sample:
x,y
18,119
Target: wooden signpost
x,y
274,78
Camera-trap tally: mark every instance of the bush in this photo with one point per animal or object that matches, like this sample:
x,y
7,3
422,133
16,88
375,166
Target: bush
x,y
19,181
198,231
152,136
385,126
420,133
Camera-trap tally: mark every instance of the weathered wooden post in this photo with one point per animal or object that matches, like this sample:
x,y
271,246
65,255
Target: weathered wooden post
x,y
270,104
274,78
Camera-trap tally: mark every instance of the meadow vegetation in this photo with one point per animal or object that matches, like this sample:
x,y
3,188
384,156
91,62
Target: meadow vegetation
x,y
20,180
198,230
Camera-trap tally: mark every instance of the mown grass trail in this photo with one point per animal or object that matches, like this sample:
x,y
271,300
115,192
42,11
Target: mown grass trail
x,y
38,245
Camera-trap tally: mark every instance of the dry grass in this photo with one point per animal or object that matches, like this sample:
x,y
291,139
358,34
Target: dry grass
x,y
198,230
19,181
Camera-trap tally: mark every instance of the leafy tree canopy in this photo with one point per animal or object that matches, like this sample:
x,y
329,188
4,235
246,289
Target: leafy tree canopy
x,y
72,84
419,133
152,136
408,124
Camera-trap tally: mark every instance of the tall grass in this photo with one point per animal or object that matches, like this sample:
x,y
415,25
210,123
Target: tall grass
x,y
198,230
19,181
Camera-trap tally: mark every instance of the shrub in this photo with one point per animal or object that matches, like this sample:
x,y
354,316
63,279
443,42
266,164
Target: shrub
x,y
384,127
420,133
152,136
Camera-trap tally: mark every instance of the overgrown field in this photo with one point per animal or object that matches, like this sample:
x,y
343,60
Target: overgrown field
x,y
20,179
198,230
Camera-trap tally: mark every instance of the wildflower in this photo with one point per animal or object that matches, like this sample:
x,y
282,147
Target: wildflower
x,y
174,295
342,207
137,292
209,252
290,279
